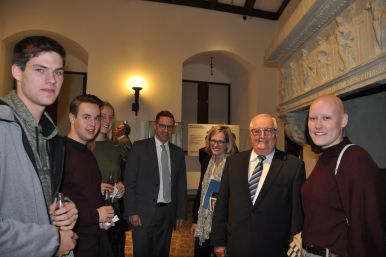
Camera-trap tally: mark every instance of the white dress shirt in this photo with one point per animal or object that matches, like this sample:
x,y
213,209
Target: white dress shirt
x,y
253,161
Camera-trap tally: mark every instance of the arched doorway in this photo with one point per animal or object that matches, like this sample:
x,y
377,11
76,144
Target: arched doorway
x,y
227,80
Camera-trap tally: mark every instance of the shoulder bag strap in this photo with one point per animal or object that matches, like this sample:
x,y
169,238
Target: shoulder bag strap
x,y
340,157
336,171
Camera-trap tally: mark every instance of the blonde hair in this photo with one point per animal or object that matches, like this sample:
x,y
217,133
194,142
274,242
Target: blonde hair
x,y
91,144
229,139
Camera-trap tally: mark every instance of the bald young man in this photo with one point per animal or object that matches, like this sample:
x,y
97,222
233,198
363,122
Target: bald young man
x,y
342,211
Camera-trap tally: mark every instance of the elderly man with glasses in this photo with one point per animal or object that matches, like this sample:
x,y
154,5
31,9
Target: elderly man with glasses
x,y
258,208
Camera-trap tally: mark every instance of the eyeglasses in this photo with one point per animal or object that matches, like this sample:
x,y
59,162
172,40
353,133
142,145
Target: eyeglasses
x,y
217,142
163,126
266,131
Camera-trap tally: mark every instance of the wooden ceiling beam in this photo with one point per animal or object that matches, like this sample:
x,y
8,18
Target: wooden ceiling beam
x,y
282,7
245,10
212,4
249,6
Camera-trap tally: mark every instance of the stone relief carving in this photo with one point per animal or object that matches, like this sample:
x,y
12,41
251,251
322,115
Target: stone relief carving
x,y
283,84
295,127
372,72
378,14
324,58
307,24
344,44
295,78
344,55
291,84
345,36
308,69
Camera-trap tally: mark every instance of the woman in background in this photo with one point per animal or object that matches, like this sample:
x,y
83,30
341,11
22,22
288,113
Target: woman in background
x,y
108,156
220,144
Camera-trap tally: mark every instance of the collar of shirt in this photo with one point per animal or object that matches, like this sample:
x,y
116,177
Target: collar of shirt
x,y
158,143
253,161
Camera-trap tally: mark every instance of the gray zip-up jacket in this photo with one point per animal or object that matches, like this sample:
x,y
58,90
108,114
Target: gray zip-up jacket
x,y
25,226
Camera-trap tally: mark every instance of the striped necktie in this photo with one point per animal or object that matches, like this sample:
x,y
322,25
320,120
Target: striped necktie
x,y
254,179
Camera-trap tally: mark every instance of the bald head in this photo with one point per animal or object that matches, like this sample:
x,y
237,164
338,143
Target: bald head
x,y
331,100
326,120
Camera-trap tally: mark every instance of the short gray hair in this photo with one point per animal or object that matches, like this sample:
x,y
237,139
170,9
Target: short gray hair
x,y
261,116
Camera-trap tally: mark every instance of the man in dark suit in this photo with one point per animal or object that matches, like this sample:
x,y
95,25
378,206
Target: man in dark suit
x,y
259,221
155,180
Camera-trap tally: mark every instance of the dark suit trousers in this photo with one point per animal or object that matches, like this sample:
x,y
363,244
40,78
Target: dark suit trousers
x,y
117,238
204,250
154,240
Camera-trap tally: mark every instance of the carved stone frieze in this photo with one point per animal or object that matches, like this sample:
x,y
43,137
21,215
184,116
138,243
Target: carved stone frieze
x,y
368,74
306,21
328,47
334,54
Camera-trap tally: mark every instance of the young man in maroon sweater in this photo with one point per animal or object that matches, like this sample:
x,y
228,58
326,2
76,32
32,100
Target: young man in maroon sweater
x,y
82,177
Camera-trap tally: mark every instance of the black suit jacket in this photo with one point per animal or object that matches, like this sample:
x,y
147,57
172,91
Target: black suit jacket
x,y
265,228
142,181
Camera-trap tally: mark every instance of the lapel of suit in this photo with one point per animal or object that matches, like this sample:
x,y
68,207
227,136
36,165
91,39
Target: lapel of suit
x,y
172,161
153,156
243,165
273,172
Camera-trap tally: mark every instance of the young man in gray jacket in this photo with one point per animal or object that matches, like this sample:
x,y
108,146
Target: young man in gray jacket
x,y
31,156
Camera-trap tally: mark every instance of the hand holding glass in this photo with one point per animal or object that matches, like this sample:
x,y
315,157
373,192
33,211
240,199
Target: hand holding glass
x,y
63,212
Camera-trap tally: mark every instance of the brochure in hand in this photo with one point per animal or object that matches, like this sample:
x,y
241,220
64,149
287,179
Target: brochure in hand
x,y
213,188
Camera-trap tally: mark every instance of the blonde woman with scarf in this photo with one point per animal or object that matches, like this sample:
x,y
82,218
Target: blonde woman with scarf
x,y
220,143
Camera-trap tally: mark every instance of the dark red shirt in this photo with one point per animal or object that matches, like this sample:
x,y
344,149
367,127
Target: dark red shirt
x,y
82,183
353,193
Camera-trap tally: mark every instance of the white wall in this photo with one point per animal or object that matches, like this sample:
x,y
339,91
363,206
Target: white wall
x,y
201,71
124,38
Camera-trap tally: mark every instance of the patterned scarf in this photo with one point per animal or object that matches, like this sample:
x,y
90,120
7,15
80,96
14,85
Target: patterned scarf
x,y
204,222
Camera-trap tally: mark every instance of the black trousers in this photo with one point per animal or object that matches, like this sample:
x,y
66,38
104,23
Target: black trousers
x,y
117,238
204,250
154,240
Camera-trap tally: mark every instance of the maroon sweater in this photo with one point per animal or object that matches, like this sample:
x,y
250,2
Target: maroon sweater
x,y
82,183
353,193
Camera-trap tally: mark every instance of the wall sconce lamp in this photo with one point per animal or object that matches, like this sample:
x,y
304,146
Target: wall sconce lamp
x,y
135,105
